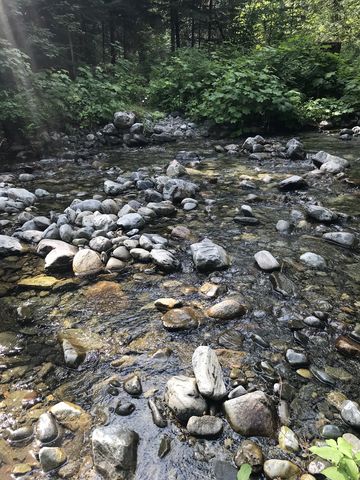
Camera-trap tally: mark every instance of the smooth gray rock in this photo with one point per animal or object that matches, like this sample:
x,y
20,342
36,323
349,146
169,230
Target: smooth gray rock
x,y
114,452
295,182
283,226
313,260
10,245
121,253
297,359
266,261
100,244
344,239
87,262
176,189
206,426
46,429
175,169
330,163
73,356
208,373
321,214
162,209
131,221
89,205
113,188
124,120
209,256
51,458
66,233
183,398
21,195
295,150
251,414
165,261
283,469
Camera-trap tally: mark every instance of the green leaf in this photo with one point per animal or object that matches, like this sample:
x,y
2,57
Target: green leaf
x,y
345,447
328,453
244,472
350,467
331,443
333,474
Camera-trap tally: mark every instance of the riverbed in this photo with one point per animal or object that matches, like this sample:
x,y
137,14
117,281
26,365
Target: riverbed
x,y
112,316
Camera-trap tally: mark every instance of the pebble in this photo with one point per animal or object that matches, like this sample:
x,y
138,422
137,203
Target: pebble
x,y
322,376
313,321
282,469
251,453
313,260
350,412
157,416
124,409
208,373
237,392
288,440
226,310
331,431
164,447
46,428
133,386
296,359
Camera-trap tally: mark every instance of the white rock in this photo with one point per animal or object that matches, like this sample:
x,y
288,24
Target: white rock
x,y
208,373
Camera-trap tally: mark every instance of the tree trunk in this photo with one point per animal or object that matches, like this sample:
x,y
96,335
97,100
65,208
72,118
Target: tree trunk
x,y
112,39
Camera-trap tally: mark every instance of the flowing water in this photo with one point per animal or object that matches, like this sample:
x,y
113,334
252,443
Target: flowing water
x,y
113,316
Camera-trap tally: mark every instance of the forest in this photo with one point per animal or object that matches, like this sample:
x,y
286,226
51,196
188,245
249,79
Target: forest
x,y
243,64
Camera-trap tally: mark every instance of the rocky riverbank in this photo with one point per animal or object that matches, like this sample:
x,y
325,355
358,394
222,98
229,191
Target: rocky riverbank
x,y
174,314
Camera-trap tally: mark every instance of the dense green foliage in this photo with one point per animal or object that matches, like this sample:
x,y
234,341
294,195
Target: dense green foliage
x,y
345,462
240,63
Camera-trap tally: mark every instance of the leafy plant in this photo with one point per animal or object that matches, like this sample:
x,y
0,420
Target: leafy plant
x,y
345,462
244,472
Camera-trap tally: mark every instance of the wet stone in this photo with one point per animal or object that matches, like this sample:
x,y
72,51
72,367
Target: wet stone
x,y
46,429
208,373
51,458
266,261
133,386
124,409
313,260
348,347
288,440
181,318
282,284
224,471
296,359
226,310
350,412
344,239
313,321
251,453
206,426
21,434
282,469
164,447
165,304
331,431
322,376
208,256
183,398
157,416
231,339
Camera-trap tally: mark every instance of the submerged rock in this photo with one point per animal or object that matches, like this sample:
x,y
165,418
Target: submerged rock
x,y
115,452
350,412
208,373
182,318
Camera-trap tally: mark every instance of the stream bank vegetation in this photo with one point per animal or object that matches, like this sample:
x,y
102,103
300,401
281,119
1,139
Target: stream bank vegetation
x,y
254,64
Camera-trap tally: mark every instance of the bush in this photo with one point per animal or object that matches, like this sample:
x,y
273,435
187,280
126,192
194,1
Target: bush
x,y
329,108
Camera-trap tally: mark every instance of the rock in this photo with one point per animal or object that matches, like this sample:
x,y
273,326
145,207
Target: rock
x,y
321,214
183,398
131,221
295,150
331,431
46,428
39,281
251,414
296,359
344,239
157,416
176,189
208,373
21,195
266,261
182,318
30,236
237,392
165,304
47,245
165,261
288,440
100,244
347,346
140,255
224,471
21,435
226,310
282,284
115,452
51,458
246,220
350,413
313,321
66,233
165,208
26,177
330,163
10,246
113,188
211,290
115,265
121,253
249,452
295,182
175,169
124,409
68,414
313,260
353,440
124,120
89,205
282,469
209,256
87,262
60,258
133,386
206,426
73,355
282,226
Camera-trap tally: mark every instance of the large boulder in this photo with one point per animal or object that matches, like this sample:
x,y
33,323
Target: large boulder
x,y
295,150
60,258
321,214
166,261
183,398
10,245
87,262
208,373
209,256
251,415
124,120
176,189
115,452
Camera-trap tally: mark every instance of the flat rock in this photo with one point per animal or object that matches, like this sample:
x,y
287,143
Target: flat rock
x,y
251,453
347,346
321,214
131,221
251,414
183,398
182,318
344,239
208,373
60,258
295,182
39,281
